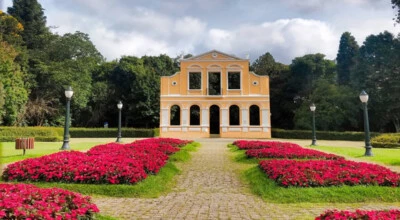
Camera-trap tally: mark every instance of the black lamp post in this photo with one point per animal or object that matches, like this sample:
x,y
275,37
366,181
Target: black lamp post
x,y
68,95
314,137
368,148
119,106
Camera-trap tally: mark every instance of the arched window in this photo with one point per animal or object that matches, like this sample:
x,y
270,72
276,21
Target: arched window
x,y
175,115
234,118
254,115
194,115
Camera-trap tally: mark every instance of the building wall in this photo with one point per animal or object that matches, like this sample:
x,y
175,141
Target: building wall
x,y
254,91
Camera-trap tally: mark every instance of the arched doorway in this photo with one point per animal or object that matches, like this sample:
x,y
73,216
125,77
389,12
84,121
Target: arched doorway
x,y
214,119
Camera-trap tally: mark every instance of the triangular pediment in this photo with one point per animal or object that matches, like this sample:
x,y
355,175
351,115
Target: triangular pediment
x,y
214,55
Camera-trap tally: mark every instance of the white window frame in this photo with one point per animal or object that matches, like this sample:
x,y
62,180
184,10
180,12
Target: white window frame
x,y
201,80
227,79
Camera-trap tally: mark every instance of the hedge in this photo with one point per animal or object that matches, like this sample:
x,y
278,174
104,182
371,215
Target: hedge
x,y
110,132
50,134
386,141
46,134
321,135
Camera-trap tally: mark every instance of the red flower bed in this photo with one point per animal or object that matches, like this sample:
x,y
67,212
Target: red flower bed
x,y
109,163
359,214
169,141
247,145
291,152
25,201
328,173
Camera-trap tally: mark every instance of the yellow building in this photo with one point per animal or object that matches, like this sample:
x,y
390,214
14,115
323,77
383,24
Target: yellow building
x,y
215,95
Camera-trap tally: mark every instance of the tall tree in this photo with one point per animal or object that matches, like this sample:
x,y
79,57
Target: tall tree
x,y
30,14
11,79
378,72
13,92
305,71
337,108
396,5
67,60
278,74
346,58
266,65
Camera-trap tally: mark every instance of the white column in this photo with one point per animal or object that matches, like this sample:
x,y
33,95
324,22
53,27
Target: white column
x,y
185,119
265,121
225,119
205,120
245,119
165,119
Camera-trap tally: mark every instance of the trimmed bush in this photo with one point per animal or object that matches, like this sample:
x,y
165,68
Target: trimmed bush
x,y
110,132
46,134
386,141
52,134
321,135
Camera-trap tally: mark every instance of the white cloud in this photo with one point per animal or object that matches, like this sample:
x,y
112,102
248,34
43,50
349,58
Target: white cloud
x,y
143,27
284,39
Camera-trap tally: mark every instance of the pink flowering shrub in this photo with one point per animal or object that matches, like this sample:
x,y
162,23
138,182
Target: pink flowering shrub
x,y
111,163
328,173
26,201
291,152
359,214
166,141
247,145
276,149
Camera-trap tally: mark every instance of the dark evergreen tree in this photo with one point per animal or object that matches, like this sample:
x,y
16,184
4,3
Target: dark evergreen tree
x,y
396,6
346,58
30,14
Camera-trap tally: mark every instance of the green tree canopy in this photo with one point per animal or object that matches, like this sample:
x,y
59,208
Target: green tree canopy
x,y
336,110
30,14
396,6
266,65
11,80
346,58
378,73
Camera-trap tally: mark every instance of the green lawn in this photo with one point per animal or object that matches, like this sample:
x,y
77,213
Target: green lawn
x,y
268,190
380,155
9,154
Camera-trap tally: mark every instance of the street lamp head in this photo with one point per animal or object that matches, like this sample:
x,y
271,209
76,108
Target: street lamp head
x,y
364,97
119,105
69,92
312,107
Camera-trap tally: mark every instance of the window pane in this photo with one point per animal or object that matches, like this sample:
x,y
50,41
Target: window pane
x,y
214,83
195,115
175,115
234,115
234,80
254,115
194,80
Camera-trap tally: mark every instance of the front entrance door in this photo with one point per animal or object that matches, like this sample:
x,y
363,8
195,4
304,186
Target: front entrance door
x,y
214,119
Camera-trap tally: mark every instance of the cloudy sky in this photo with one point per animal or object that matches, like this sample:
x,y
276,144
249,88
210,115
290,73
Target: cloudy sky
x,y
285,28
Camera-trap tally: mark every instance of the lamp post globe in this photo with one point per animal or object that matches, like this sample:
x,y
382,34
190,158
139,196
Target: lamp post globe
x,y
119,106
314,136
68,94
368,148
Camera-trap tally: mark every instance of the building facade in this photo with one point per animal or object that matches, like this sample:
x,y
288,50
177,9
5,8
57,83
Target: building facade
x,y
215,95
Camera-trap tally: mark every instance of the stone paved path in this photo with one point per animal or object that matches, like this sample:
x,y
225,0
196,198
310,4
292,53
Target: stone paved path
x,y
209,188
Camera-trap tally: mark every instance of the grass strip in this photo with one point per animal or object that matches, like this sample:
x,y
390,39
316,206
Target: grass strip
x,y
9,154
387,156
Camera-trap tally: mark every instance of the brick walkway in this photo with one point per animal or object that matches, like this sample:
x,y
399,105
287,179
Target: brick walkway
x,y
209,188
